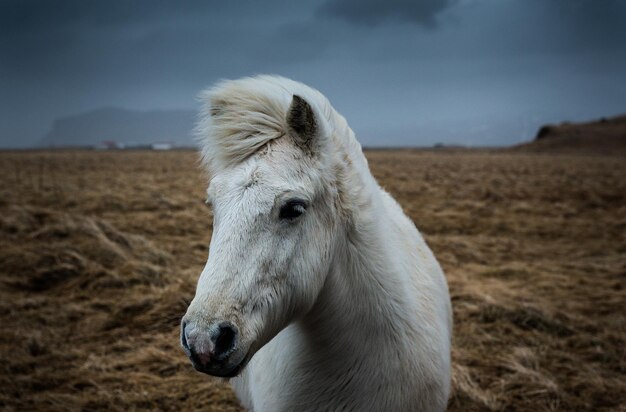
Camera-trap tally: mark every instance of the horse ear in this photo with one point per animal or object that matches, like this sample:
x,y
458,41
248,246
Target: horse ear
x,y
302,122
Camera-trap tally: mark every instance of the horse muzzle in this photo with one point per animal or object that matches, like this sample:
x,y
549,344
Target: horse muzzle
x,y
213,350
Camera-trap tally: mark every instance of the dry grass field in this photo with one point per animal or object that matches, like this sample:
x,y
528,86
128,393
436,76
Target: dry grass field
x,y
100,252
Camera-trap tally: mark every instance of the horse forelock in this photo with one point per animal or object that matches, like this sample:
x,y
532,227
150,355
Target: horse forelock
x,y
239,117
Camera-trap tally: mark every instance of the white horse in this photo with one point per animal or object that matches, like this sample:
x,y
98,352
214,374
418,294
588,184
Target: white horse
x,y
319,293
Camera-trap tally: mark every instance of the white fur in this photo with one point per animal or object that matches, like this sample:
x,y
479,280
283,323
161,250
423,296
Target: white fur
x,y
344,309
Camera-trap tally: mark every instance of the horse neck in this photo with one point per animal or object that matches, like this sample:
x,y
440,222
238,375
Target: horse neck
x,y
365,296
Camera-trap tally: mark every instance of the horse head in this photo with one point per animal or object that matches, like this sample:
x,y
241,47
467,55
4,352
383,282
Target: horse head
x,y
274,200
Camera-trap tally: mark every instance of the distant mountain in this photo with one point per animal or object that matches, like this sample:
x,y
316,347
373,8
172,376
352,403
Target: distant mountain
x,y
125,127
604,136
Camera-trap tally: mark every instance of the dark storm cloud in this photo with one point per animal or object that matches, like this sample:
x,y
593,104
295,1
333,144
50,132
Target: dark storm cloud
x,y
592,23
371,12
41,15
39,30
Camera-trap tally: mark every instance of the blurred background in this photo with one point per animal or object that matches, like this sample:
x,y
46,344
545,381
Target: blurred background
x,y
405,73
498,125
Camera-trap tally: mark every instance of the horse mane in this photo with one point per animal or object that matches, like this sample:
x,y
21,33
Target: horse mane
x,y
239,117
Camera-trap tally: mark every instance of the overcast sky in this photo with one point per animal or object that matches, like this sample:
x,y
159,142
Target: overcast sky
x,y
479,72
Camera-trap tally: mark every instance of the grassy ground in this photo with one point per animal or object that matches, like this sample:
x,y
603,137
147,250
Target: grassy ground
x,y
100,251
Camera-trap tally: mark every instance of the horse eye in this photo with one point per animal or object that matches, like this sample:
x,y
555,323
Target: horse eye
x,y
292,209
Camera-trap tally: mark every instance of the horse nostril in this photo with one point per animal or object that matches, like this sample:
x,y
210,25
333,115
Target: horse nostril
x,y
183,336
224,340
